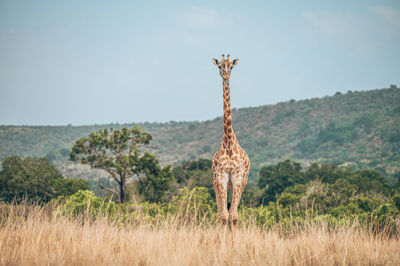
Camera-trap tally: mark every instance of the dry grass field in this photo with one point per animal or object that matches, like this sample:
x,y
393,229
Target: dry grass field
x,y
37,236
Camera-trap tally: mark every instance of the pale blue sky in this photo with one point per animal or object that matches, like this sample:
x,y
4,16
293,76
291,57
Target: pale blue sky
x,y
84,62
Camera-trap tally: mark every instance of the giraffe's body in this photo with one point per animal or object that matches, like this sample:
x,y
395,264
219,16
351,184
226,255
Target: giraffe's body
x,y
230,164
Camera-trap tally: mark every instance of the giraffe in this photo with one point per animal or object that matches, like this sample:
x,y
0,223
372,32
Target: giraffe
x,y
230,164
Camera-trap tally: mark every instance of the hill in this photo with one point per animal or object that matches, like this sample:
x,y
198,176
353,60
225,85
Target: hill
x,y
357,129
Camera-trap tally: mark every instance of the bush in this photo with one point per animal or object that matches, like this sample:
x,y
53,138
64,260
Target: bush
x,y
385,217
194,205
366,204
396,200
288,199
263,216
143,213
84,202
34,179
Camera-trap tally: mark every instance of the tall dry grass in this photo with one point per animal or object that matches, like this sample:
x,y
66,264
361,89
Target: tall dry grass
x,y
39,236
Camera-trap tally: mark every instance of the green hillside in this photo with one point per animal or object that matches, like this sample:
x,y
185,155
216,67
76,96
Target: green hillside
x,y
357,129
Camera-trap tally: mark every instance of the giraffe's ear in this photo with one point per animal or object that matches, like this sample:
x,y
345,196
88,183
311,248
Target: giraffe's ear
x,y
215,61
235,62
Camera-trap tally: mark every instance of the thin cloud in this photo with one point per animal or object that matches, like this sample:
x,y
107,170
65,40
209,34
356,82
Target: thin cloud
x,y
364,33
198,18
331,24
334,24
389,14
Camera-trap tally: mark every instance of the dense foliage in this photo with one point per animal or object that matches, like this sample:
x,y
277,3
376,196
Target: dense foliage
x,y
188,206
331,204
196,173
117,152
34,179
85,202
275,179
156,184
357,129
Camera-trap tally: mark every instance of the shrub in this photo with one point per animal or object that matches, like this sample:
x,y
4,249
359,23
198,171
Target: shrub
x,y
84,202
193,205
288,199
366,204
396,200
386,217
263,216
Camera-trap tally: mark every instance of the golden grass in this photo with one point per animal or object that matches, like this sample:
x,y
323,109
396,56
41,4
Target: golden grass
x,y
37,236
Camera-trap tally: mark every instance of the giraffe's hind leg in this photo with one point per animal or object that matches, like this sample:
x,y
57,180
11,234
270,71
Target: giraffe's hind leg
x,y
233,213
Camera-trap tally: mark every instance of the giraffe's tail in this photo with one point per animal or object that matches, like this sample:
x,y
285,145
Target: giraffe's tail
x,y
229,198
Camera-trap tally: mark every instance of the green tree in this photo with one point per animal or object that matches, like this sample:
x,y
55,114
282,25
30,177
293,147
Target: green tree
x,y
157,182
35,179
251,195
275,178
117,152
369,180
327,173
69,186
193,174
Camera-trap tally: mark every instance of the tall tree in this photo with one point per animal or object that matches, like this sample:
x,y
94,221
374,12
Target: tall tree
x,y
117,152
34,178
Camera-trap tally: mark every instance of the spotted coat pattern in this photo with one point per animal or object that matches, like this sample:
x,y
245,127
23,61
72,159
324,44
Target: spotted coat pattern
x,y
230,164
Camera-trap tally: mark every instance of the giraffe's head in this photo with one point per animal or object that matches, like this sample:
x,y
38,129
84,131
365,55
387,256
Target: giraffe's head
x,y
225,66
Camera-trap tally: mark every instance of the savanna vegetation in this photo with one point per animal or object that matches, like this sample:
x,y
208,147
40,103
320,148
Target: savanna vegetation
x,y
337,201
86,229
32,235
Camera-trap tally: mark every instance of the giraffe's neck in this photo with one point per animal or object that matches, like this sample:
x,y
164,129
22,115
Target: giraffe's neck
x,y
228,131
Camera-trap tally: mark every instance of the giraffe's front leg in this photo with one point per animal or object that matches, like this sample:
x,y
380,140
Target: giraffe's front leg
x,y
220,187
233,212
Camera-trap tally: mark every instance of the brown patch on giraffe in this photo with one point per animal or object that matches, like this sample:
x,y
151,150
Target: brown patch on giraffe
x,y
235,149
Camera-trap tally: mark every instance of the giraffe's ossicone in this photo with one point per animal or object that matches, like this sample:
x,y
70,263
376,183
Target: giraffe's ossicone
x,y
230,164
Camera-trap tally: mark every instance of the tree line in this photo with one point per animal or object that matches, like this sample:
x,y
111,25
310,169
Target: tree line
x,y
283,190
